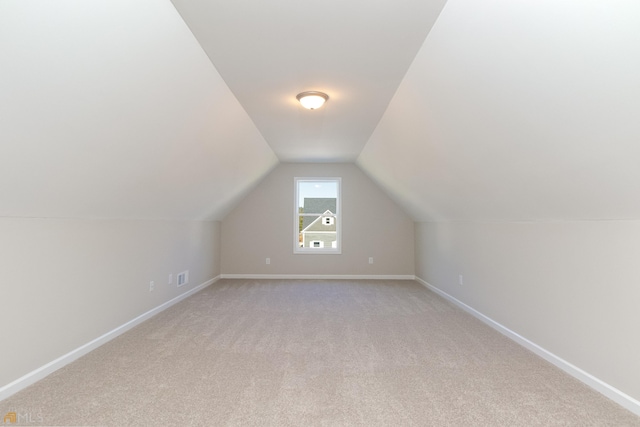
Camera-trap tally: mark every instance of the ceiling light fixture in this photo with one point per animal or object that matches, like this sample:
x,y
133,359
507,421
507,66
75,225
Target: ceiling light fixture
x,y
312,99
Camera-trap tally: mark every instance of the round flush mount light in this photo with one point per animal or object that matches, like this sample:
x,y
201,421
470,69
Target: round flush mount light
x,y
312,99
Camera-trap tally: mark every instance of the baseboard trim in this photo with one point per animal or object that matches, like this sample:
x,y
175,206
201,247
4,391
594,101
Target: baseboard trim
x,y
318,276
597,384
49,368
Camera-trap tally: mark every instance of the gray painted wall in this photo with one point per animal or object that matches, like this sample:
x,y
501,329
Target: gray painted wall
x,y
67,282
572,287
261,227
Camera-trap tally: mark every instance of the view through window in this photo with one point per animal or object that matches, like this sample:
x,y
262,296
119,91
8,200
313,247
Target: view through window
x,y
317,219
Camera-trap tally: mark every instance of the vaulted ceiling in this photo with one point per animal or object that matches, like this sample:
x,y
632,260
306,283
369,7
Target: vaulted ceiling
x,y
489,110
517,111
356,51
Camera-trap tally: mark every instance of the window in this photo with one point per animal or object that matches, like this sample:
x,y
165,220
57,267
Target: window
x,y
327,220
317,225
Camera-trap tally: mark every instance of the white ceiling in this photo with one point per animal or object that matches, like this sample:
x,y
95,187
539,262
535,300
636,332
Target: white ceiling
x,y
356,51
500,110
110,109
517,111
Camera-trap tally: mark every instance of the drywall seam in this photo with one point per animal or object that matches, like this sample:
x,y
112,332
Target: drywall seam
x,y
319,276
41,372
597,384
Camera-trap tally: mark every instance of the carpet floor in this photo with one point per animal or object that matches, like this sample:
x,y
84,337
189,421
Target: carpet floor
x,y
313,353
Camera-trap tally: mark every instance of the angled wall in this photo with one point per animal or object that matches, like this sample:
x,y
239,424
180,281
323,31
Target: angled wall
x,y
513,141
261,227
112,110
120,147
517,111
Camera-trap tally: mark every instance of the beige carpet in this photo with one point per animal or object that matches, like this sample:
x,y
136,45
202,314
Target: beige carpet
x,y
314,353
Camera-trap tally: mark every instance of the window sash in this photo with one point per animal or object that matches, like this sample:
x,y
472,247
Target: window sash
x,y
330,247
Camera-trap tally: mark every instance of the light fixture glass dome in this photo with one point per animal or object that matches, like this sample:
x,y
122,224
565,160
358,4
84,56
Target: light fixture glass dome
x,y
312,99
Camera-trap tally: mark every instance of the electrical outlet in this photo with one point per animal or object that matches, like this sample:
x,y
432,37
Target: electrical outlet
x,y
268,261
370,260
460,280
152,286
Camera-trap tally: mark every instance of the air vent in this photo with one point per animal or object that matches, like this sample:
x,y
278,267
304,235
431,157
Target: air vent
x,y
183,278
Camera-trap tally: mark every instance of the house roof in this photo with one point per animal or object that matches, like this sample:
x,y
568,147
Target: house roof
x,y
317,205
469,110
317,225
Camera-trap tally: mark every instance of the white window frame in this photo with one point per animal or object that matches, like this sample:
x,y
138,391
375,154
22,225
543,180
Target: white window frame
x,y
338,218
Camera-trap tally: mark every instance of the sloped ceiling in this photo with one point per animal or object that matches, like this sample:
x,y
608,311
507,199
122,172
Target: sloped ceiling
x,y
111,109
517,111
356,51
508,110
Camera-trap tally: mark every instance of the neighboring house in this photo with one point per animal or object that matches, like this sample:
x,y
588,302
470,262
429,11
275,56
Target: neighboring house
x,y
317,205
321,232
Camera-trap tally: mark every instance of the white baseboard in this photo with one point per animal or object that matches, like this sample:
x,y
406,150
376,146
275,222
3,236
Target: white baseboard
x,y
318,276
43,371
600,386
